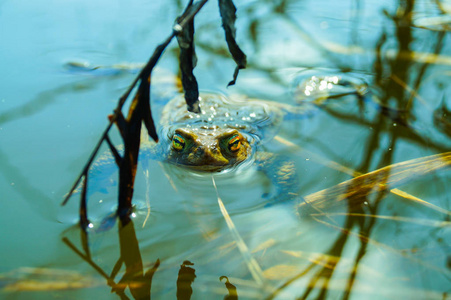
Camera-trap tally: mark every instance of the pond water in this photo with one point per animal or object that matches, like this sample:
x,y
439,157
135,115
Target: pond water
x,y
384,235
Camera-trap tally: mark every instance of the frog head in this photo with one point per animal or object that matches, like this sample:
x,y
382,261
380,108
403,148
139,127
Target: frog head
x,y
208,150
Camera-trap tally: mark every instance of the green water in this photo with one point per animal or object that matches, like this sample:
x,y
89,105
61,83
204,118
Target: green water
x,y
51,118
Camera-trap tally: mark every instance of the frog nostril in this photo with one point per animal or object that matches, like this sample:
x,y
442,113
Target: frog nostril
x,y
200,150
214,149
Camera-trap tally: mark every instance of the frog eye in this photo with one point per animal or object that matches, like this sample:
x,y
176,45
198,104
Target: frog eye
x,y
234,143
178,142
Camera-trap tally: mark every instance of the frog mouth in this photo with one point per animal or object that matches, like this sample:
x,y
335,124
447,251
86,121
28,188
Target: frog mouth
x,y
217,168
205,168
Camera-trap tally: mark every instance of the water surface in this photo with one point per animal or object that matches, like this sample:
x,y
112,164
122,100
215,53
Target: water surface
x,y
380,245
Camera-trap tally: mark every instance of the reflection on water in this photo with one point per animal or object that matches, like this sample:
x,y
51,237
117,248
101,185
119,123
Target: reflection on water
x,y
384,234
138,281
185,279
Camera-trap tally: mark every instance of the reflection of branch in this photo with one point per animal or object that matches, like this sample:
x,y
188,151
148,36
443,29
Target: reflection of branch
x,y
423,69
442,118
384,179
87,258
408,135
365,231
356,190
138,282
233,294
185,279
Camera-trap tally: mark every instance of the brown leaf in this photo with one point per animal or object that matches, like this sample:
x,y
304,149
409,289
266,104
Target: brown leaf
x,y
228,14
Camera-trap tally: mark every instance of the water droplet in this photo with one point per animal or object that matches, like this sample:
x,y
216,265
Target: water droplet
x,y
335,79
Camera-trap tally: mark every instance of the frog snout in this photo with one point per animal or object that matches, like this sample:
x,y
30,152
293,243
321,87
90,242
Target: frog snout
x,y
207,151
200,151
211,155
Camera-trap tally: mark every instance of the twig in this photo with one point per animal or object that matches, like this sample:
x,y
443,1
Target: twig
x,y
88,164
87,258
145,72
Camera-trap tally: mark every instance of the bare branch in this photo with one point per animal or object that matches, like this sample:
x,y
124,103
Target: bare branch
x,y
117,156
145,73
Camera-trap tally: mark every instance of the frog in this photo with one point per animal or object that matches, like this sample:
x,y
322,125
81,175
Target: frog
x,y
226,137
230,132
222,137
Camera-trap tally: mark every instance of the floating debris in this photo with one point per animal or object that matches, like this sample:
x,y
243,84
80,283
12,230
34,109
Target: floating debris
x,y
45,279
318,85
